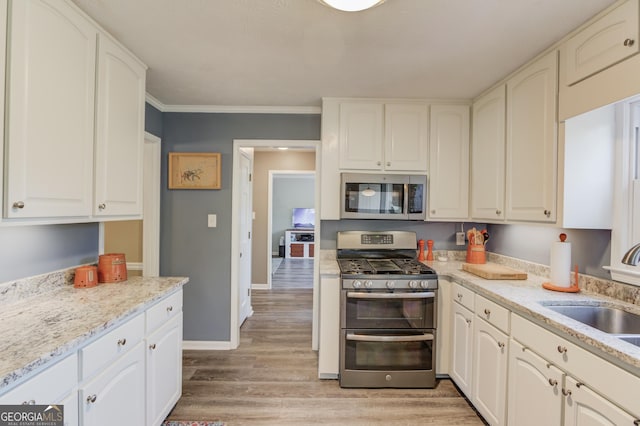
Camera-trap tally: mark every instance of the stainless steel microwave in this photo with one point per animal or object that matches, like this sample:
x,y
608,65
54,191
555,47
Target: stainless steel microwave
x,y
383,196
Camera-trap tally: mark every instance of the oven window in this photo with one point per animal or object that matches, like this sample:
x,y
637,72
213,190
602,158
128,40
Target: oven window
x,y
374,198
387,350
389,313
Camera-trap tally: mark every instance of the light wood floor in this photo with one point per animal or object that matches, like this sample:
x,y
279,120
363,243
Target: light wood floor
x,y
293,273
271,379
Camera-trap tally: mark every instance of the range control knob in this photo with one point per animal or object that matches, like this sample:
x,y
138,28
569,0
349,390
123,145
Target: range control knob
x,y
413,284
368,284
391,284
424,284
357,284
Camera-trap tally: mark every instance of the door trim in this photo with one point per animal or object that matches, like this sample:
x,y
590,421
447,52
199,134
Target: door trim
x,y
151,206
234,326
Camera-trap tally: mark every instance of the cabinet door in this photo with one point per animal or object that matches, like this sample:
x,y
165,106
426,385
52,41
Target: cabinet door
x,y
608,40
583,407
50,100
487,156
534,396
361,136
120,132
405,137
462,347
164,370
117,395
531,142
449,162
490,372
329,333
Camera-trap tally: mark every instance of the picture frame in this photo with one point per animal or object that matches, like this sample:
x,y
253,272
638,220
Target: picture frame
x,y
194,170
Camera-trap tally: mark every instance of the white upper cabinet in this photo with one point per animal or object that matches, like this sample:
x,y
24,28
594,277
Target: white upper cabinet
x,y
487,156
379,136
361,131
50,111
406,145
120,131
531,153
449,162
605,42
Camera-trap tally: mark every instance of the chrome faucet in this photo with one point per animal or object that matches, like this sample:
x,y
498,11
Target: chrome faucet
x,y
632,257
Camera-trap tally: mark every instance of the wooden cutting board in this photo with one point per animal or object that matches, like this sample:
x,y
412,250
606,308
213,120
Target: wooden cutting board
x,y
491,271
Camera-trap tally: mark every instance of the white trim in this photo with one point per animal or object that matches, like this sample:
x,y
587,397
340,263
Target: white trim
x,y
134,266
151,205
101,238
233,109
260,286
206,345
234,327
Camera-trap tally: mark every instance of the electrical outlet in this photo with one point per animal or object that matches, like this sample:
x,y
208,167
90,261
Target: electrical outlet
x,y
212,221
459,238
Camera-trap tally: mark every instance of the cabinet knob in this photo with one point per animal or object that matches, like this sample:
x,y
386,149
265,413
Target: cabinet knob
x,y
433,212
566,392
487,312
498,212
459,296
636,422
469,321
169,308
553,382
547,213
562,349
152,346
501,345
92,398
122,342
379,163
29,402
629,42
18,205
388,163
102,206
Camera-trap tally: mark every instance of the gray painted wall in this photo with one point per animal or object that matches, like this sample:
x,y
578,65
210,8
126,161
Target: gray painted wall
x,y
187,246
152,120
37,249
289,193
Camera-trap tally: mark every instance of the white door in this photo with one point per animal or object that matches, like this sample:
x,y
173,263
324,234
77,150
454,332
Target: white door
x,y
151,207
246,214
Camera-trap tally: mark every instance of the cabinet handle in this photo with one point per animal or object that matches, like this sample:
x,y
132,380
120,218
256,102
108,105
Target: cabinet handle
x,y
553,382
579,384
122,342
92,398
487,312
566,392
29,402
629,42
498,212
18,205
102,206
469,322
169,308
562,349
152,346
501,345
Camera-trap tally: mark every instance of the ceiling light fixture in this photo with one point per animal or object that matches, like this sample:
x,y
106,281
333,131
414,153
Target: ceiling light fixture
x,y
283,148
368,192
351,5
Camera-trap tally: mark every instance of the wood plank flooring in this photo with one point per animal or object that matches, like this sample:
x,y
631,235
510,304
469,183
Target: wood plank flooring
x,y
293,273
271,379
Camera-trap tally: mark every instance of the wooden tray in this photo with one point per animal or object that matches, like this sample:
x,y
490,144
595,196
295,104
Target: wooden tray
x,y
491,271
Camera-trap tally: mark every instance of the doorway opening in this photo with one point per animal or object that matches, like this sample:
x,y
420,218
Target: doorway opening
x,y
262,240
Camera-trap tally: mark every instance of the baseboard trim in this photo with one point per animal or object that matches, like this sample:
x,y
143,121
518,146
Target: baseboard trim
x,y
206,345
260,287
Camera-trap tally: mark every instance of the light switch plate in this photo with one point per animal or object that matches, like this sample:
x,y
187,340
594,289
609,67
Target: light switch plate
x,y
211,221
459,238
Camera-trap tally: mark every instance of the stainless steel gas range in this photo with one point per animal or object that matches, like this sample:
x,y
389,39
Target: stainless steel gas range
x,y
387,311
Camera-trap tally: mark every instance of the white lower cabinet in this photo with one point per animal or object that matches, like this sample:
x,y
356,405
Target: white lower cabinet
x,y
55,385
116,396
584,407
164,370
329,333
490,354
462,347
534,389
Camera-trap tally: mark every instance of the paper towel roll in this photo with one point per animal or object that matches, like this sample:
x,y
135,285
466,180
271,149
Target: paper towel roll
x,y
560,264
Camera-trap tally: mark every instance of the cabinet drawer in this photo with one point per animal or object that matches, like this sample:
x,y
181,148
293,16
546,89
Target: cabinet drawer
x,y
164,310
464,296
113,344
493,313
47,387
610,381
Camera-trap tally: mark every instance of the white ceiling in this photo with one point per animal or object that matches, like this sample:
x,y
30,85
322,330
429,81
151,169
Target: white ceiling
x,y
293,52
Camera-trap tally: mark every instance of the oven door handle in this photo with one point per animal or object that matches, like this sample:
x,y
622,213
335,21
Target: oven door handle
x,y
391,339
398,295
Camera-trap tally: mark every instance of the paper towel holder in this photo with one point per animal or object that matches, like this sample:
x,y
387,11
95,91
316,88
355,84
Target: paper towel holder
x,y
571,289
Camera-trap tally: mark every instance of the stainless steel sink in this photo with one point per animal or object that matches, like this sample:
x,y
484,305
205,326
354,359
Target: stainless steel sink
x,y
604,318
634,340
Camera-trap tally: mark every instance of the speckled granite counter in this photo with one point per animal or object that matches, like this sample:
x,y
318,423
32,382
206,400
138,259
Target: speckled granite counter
x,y
46,318
528,299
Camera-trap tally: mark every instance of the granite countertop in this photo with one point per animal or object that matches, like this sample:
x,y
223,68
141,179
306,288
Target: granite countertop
x,y
40,328
527,298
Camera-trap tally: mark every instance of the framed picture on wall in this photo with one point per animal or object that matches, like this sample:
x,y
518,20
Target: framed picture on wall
x,y
194,170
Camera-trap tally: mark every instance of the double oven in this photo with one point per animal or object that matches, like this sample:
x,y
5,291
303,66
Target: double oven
x,y
388,305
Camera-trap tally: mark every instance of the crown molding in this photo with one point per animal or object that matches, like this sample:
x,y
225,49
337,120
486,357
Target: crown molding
x,y
232,109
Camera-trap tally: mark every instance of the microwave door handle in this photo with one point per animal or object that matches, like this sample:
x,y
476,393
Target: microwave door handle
x,y
405,202
388,339
401,295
